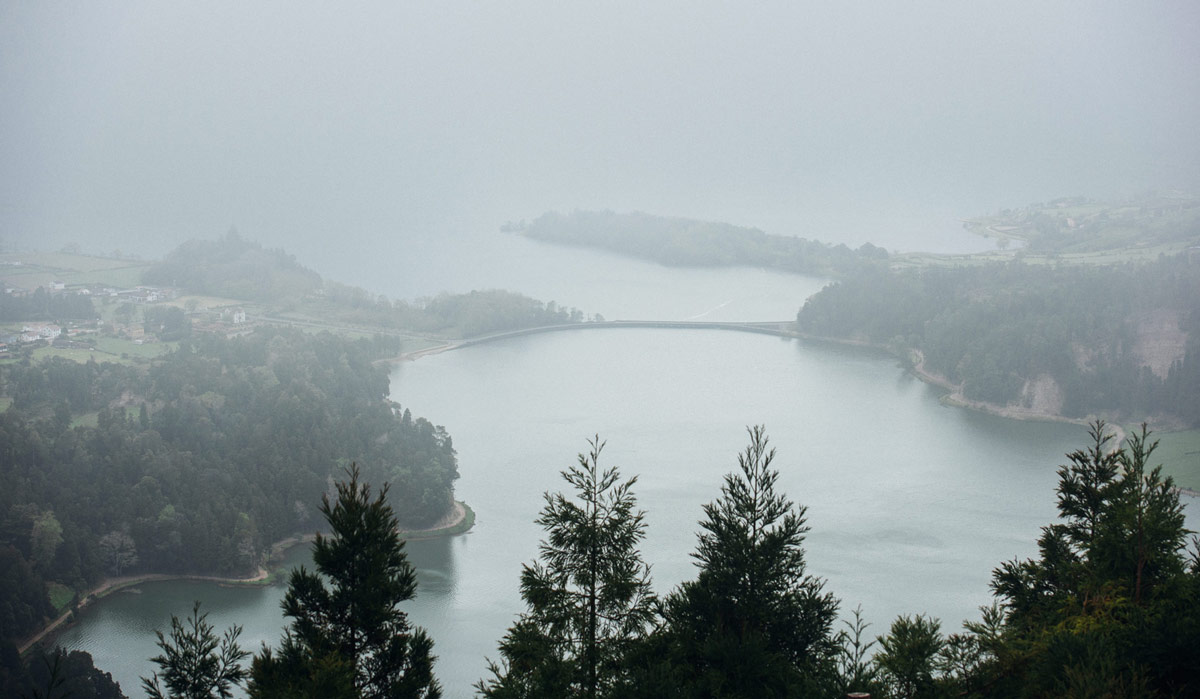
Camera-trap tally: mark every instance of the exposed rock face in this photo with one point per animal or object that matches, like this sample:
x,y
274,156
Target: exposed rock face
x,y
1042,394
1160,342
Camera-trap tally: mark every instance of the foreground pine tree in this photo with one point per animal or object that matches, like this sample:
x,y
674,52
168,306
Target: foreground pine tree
x,y
754,623
349,638
588,596
195,662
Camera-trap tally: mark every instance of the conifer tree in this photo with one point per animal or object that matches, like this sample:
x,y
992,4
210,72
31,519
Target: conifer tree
x,y
350,638
195,662
754,623
588,596
1109,608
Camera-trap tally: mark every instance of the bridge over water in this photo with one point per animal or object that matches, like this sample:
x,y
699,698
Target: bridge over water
x,y
780,328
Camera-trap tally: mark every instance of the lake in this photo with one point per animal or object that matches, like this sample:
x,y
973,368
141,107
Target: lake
x,y
911,503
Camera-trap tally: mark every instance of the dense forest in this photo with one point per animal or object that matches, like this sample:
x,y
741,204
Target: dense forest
x,y
1075,340
688,242
237,268
196,462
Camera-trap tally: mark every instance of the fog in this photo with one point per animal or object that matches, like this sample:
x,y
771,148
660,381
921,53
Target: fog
x,y
388,129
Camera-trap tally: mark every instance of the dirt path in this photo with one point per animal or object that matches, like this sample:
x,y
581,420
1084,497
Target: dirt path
x,y
110,585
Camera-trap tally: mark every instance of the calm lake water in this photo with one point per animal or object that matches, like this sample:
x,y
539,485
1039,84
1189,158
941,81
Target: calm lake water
x,y
911,503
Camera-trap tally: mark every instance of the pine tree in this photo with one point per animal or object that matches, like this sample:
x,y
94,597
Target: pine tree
x,y
195,662
350,639
754,623
588,596
1109,608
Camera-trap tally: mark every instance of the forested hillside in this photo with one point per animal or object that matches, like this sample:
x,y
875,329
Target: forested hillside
x,y
683,241
196,462
1073,340
236,268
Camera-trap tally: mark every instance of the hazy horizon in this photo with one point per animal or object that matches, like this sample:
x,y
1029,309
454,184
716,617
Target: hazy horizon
x,y
334,131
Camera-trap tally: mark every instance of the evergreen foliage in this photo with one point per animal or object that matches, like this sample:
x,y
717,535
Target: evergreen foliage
x,y
54,674
1112,604
588,597
44,305
754,623
687,242
995,329
348,636
195,662
198,461
233,267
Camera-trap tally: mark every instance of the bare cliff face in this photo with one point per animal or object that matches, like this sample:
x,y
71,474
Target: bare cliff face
x,y
1042,395
1160,341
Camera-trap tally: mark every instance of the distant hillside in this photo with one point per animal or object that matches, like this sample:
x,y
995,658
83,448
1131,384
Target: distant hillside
x,y
1122,341
236,268
688,242
233,267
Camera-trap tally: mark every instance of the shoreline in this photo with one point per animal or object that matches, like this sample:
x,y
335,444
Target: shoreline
x,y
459,520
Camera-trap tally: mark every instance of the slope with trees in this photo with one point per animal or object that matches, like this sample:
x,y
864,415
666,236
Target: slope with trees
x,y
198,461
1069,340
688,242
236,268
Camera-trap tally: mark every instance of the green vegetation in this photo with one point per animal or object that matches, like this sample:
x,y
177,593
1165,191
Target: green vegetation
x,y
33,269
1109,607
233,267
236,268
54,674
60,596
116,348
197,461
588,598
753,622
42,305
1166,222
687,242
195,662
1071,340
348,637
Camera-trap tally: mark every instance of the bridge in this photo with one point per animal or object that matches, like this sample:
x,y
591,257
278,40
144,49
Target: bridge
x,y
780,328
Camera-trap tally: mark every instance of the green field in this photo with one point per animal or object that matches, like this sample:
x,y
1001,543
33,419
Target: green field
x,y
42,268
60,596
114,347
91,419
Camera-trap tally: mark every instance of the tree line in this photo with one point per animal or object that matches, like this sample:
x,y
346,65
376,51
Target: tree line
x,y
688,242
43,305
197,462
995,328
1108,608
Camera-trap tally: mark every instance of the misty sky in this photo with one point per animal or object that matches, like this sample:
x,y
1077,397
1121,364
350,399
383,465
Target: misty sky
x,y
137,125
